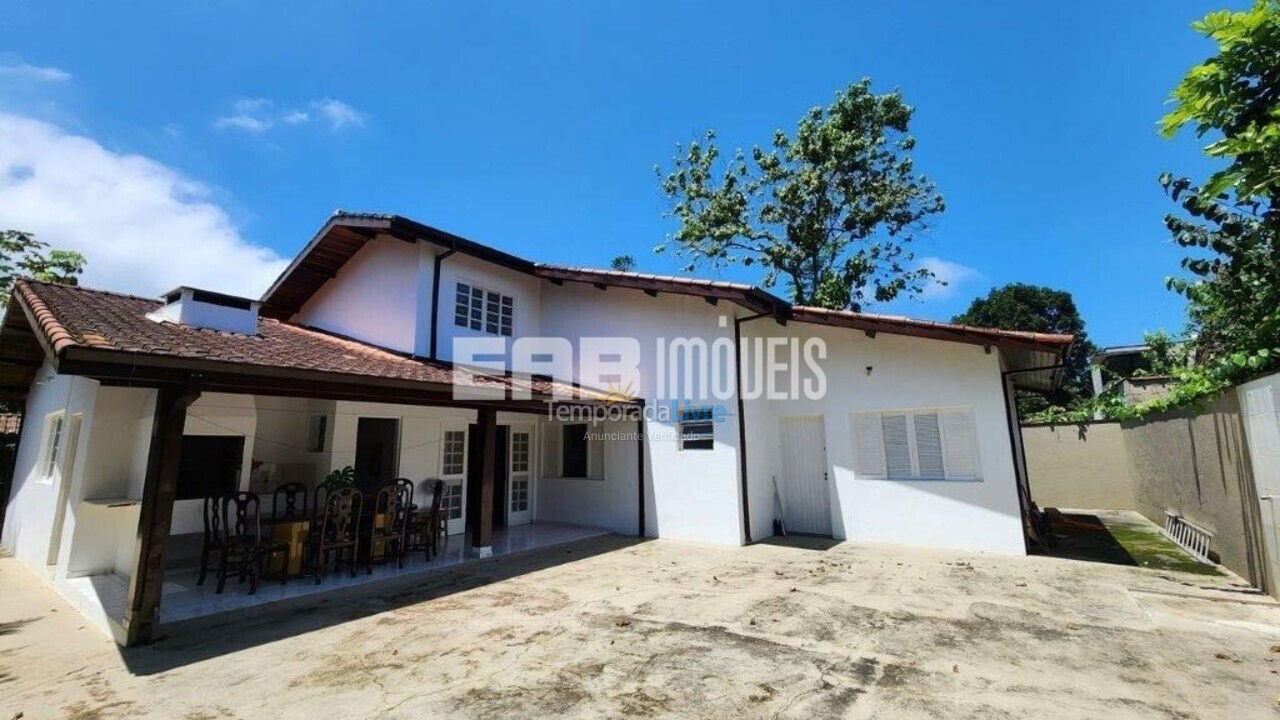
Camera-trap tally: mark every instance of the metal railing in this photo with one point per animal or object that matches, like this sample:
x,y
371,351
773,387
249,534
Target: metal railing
x,y
1188,536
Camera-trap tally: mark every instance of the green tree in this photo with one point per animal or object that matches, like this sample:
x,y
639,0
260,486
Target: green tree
x,y
1019,306
830,209
22,255
624,263
1231,224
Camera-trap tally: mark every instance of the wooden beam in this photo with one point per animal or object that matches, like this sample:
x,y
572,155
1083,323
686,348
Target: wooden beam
x,y
651,293
142,606
712,300
482,533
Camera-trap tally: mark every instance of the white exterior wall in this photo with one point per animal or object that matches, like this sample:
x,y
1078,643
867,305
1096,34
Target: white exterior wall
x,y
376,295
29,514
610,501
906,373
1260,406
524,290
692,494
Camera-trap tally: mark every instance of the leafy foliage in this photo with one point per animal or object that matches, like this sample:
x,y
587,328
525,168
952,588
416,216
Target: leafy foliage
x,y
1234,95
623,263
1230,225
22,255
339,478
1019,306
829,209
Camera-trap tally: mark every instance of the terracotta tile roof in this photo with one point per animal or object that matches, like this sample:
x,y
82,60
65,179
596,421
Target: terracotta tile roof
x,y
346,232
71,317
888,323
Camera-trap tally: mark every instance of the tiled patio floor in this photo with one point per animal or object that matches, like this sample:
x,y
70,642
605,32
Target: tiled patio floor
x,y
184,599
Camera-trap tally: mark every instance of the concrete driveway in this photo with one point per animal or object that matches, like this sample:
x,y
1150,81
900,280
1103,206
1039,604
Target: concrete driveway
x,y
612,627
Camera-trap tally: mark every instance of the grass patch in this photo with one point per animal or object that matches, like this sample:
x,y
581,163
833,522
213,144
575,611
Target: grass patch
x,y
1150,548
1119,539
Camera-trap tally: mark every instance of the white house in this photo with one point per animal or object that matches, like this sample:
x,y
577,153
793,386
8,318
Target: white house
x,y
899,431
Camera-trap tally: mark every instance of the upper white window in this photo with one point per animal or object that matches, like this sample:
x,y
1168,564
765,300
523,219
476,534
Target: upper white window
x,y
52,445
937,444
484,310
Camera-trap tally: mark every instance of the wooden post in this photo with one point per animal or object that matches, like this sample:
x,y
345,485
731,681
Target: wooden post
x,y
482,533
156,514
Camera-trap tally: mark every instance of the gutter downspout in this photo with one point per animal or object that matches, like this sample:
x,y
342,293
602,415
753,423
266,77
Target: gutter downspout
x,y
742,420
435,299
640,520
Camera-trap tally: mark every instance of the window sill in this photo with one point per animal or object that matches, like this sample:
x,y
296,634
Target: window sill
x,y
925,479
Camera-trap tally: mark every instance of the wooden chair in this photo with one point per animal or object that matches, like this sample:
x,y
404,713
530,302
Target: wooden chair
x,y
423,532
212,540
289,502
390,517
338,530
408,486
244,550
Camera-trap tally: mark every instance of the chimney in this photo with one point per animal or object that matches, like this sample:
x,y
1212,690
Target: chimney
x,y
206,309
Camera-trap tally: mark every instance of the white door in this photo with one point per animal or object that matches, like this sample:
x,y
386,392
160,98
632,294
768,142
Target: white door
x,y
802,482
520,475
453,470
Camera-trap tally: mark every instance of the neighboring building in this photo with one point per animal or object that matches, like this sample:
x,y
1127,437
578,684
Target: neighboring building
x,y
1126,369
348,359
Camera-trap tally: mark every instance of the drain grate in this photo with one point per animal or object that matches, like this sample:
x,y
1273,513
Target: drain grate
x,y
1188,536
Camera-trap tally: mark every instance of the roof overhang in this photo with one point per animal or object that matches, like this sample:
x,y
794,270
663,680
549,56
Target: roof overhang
x,y
752,298
342,237
1033,360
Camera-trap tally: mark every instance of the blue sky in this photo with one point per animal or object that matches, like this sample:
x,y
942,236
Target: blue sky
x,y
203,143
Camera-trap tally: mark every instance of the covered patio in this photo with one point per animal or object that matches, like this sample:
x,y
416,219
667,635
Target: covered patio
x,y
184,599
131,397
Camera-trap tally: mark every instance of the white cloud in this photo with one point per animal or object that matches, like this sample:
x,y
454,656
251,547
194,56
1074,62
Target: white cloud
x,y
337,113
247,123
143,227
258,115
948,277
24,71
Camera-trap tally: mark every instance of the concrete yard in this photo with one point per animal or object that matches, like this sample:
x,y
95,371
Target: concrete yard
x,y
614,627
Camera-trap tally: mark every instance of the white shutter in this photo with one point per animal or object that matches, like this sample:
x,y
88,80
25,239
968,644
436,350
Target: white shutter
x,y
595,453
550,461
928,445
897,446
960,443
868,445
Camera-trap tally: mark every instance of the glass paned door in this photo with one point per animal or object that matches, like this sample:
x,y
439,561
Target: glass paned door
x,y
453,470
520,476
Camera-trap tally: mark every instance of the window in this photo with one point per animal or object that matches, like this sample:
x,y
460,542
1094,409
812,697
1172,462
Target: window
x,y
574,451
453,452
52,445
697,431
484,310
210,465
917,444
